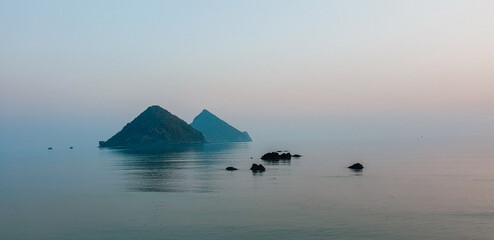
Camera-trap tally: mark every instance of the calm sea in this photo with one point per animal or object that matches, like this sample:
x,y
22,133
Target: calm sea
x,y
416,188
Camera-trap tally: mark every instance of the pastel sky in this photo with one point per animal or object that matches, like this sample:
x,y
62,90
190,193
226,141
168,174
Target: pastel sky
x,y
85,68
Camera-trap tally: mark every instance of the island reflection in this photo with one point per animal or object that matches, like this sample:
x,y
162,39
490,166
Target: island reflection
x,y
180,168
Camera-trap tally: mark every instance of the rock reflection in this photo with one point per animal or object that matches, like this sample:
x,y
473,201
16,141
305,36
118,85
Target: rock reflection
x,y
278,162
176,169
356,172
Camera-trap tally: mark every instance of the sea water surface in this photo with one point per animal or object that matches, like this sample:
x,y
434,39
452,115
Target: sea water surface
x,y
415,188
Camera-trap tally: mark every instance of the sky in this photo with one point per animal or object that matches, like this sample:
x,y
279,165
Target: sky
x,y
77,71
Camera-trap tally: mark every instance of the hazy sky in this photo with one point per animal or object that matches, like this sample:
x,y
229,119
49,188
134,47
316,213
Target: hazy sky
x,y
82,69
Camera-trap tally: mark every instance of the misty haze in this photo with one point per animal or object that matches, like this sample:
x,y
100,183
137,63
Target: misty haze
x,y
247,119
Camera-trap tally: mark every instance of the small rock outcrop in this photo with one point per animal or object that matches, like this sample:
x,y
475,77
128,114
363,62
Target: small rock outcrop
x,y
356,166
296,155
276,156
257,168
231,169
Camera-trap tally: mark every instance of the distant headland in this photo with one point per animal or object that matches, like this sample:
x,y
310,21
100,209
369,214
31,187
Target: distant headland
x,y
156,127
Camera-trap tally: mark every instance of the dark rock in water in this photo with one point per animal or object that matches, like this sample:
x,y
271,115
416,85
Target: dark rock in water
x,y
216,130
296,155
256,167
270,156
155,127
71,147
50,148
261,168
275,156
356,166
231,169
285,156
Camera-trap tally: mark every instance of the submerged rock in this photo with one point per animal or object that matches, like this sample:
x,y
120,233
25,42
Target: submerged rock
x,y
231,169
275,156
256,168
50,148
356,166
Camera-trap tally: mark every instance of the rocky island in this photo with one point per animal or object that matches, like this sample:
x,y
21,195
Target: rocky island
x,y
155,127
216,130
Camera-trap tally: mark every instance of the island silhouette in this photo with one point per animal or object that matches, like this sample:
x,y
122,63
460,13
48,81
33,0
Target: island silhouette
x,y
216,130
156,127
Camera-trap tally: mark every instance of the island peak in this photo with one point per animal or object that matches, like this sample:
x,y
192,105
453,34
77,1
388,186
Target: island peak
x,y
154,127
216,130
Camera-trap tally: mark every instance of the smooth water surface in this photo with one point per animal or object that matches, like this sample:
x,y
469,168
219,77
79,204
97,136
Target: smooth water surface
x,y
414,188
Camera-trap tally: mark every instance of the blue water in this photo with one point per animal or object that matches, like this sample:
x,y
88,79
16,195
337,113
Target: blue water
x,y
416,188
